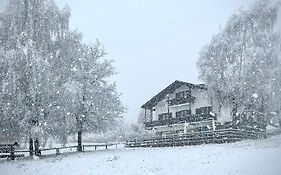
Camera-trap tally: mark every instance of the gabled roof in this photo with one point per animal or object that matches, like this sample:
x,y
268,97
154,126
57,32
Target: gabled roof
x,y
168,90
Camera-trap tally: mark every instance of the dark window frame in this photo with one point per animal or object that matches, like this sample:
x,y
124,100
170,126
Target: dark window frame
x,y
203,110
165,116
183,94
183,113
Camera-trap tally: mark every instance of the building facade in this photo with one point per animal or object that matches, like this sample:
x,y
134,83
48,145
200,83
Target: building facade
x,y
184,107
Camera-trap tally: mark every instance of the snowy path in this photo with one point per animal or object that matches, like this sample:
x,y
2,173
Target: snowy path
x,y
243,158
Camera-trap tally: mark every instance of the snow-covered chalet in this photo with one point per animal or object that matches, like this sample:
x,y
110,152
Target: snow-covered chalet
x,y
184,107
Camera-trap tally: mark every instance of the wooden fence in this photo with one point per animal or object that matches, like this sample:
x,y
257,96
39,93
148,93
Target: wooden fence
x,y
69,149
195,138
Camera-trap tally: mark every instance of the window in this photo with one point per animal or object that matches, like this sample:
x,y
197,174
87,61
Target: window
x,y
160,117
183,94
165,116
183,113
182,97
204,110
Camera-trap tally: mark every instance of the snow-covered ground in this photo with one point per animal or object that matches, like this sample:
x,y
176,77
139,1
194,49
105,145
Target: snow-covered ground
x,y
251,157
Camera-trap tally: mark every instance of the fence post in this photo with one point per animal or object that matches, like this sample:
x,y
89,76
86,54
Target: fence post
x,y
105,146
12,153
57,151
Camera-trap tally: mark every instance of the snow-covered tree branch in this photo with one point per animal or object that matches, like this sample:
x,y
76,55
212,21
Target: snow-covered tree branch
x,y
242,64
49,77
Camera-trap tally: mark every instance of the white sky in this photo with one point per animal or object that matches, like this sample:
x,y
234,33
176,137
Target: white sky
x,y
153,42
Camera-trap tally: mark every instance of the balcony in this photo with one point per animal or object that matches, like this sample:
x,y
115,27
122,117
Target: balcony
x,y
177,101
187,119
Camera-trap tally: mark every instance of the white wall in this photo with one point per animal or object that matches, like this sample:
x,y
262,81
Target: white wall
x,y
225,114
169,128
201,100
160,108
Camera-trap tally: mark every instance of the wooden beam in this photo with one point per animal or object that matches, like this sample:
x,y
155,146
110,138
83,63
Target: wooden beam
x,y
144,115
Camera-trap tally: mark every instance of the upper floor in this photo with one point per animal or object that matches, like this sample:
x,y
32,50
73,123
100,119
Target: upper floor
x,y
179,102
191,104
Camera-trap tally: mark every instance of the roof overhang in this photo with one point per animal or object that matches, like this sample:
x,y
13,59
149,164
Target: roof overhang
x,y
169,90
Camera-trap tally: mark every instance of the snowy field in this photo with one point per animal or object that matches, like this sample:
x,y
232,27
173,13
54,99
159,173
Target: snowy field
x,y
261,157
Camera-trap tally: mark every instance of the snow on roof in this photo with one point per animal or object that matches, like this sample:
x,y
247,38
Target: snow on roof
x,y
168,90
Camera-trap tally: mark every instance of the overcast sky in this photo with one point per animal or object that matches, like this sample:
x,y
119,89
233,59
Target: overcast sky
x,y
153,42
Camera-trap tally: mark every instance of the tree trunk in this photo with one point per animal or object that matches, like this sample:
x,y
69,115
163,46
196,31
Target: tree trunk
x,y
45,141
25,22
64,140
36,145
79,147
79,132
219,110
30,146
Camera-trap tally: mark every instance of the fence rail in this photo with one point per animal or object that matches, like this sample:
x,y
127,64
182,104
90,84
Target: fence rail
x,y
68,149
217,136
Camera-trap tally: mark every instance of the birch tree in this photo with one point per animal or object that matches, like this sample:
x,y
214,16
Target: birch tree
x,y
240,62
50,78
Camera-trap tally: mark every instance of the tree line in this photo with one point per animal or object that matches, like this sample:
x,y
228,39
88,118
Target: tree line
x,y
242,63
51,83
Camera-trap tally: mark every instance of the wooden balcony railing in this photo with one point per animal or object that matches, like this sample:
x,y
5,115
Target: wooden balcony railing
x,y
187,119
183,100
